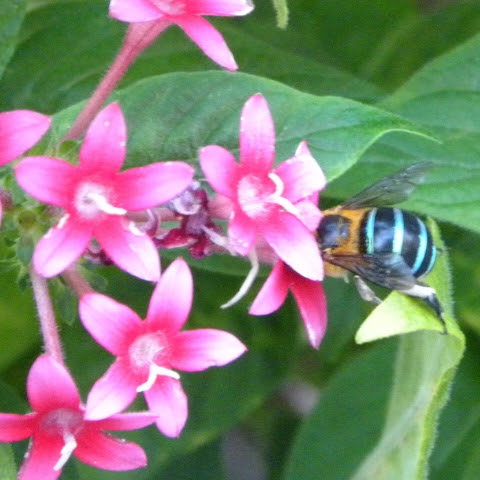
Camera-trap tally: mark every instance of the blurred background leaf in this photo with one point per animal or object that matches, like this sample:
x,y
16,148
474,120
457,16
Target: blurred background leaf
x,y
10,21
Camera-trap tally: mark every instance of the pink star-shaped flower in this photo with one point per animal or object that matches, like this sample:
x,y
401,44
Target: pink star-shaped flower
x,y
187,14
309,295
19,131
96,198
58,428
264,197
150,353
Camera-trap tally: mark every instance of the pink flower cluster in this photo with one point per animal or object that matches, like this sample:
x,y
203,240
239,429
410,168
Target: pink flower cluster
x,y
116,217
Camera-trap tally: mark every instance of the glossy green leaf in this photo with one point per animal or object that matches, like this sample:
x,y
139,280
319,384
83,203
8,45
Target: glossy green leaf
x,y
443,98
197,109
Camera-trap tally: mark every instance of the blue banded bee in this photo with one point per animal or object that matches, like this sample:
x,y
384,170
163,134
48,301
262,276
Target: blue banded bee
x,y
384,245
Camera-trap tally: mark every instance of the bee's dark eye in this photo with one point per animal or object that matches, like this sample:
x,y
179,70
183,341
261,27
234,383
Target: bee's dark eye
x,y
332,229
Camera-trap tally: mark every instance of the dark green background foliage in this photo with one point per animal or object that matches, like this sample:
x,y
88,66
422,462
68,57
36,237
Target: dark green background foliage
x,y
373,86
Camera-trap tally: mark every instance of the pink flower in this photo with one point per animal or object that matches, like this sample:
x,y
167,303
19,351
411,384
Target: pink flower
x,y
58,428
309,295
264,197
96,198
187,14
19,131
150,353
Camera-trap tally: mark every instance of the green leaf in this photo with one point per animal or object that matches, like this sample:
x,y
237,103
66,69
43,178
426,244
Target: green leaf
x,y
18,321
457,447
347,421
10,21
423,359
8,468
197,109
443,97
70,45
384,42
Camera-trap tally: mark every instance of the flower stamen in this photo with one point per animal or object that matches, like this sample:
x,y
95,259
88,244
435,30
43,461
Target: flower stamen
x,y
67,450
276,196
247,283
103,205
154,372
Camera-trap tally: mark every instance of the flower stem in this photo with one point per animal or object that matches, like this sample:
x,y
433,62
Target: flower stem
x,y
46,316
76,282
138,37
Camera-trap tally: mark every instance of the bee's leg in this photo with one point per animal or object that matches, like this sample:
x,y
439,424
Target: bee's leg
x,y
365,291
429,296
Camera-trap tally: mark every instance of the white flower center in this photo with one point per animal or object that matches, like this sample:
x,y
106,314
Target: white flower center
x,y
149,356
170,7
65,423
92,200
256,195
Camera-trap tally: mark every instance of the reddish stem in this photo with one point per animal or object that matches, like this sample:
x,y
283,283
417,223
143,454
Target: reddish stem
x,y
46,316
76,282
138,37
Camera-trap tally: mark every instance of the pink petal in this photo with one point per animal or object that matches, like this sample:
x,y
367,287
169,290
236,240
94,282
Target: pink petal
x,y
196,350
104,146
301,175
311,301
273,293
134,10
112,393
220,168
39,176
242,232
146,187
50,386
294,244
208,38
43,454
257,136
127,421
19,131
308,213
16,427
60,247
109,453
168,400
113,325
172,298
130,250
219,8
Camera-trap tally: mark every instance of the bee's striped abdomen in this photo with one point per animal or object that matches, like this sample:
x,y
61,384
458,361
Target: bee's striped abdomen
x,y
391,230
